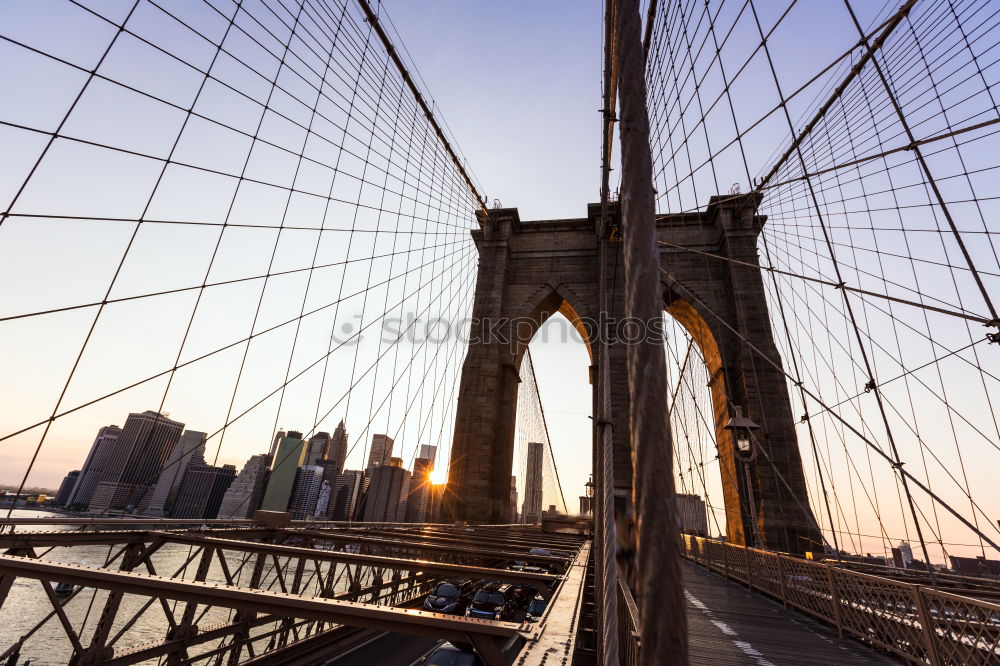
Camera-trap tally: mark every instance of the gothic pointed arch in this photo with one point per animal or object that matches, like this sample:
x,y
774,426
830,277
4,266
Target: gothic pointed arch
x,y
531,270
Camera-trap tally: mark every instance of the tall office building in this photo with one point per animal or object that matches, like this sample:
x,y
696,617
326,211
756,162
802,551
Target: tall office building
x,y
189,450
419,495
323,500
428,452
66,487
344,495
336,452
905,554
691,515
288,456
380,453
531,511
202,490
245,493
278,436
513,500
385,501
138,456
305,491
434,504
317,448
98,459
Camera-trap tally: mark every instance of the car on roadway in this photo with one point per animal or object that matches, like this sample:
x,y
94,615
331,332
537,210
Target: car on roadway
x,y
493,601
535,609
448,654
449,596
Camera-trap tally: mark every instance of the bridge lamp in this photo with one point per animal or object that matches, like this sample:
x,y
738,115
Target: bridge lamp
x,y
742,427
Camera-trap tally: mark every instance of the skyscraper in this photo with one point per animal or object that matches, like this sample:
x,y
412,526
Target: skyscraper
x,y
344,496
317,448
380,453
428,452
337,450
202,490
691,515
419,494
287,458
437,492
531,511
323,500
66,487
138,456
513,500
278,436
385,501
305,491
189,450
101,453
245,493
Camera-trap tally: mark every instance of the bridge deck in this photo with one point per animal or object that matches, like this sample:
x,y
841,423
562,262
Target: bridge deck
x,y
728,624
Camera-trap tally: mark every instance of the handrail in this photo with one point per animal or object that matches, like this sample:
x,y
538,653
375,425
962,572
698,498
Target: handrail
x,y
918,623
629,626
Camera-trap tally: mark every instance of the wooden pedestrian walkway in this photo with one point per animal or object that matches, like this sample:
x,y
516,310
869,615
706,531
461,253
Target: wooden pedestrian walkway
x,y
730,625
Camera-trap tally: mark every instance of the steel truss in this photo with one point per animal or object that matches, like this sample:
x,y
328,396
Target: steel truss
x,y
236,594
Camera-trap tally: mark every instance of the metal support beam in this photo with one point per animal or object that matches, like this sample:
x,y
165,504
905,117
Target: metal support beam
x,y
312,608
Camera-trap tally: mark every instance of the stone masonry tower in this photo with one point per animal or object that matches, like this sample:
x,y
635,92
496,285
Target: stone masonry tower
x,y
531,270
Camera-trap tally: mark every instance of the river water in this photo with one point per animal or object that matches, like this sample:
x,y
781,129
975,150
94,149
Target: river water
x,y
27,603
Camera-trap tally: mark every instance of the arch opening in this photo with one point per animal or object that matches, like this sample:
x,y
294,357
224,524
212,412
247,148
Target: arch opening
x,y
552,366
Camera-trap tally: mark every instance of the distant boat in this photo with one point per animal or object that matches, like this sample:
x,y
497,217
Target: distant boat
x,y
64,589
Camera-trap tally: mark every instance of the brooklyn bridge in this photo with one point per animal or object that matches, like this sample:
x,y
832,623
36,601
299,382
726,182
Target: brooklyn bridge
x,y
238,226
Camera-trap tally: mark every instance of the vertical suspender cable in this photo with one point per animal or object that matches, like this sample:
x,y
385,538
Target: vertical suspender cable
x,y
664,626
605,569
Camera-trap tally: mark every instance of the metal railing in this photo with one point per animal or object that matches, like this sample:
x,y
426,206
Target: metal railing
x,y
918,623
629,626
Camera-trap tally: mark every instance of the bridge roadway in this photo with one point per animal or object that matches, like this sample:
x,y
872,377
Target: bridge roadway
x,y
728,625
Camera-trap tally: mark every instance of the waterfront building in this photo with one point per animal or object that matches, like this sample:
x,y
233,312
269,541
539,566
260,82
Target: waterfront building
x,y
190,449
344,495
245,493
380,452
323,501
288,457
691,515
531,510
385,501
98,460
66,487
336,452
201,492
139,454
513,500
278,436
305,491
437,492
317,448
419,495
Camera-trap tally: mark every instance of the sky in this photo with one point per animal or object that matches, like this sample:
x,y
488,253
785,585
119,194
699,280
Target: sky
x,y
488,91
339,167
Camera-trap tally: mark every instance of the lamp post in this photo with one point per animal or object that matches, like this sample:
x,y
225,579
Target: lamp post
x,y
742,428
587,500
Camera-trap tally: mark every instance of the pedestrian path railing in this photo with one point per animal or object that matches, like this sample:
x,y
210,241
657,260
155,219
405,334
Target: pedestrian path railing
x,y
918,623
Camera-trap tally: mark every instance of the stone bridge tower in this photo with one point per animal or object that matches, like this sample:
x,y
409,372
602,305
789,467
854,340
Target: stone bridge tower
x,y
531,270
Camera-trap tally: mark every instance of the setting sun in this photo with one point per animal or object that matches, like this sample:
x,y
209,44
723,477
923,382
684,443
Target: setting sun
x,y
439,476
